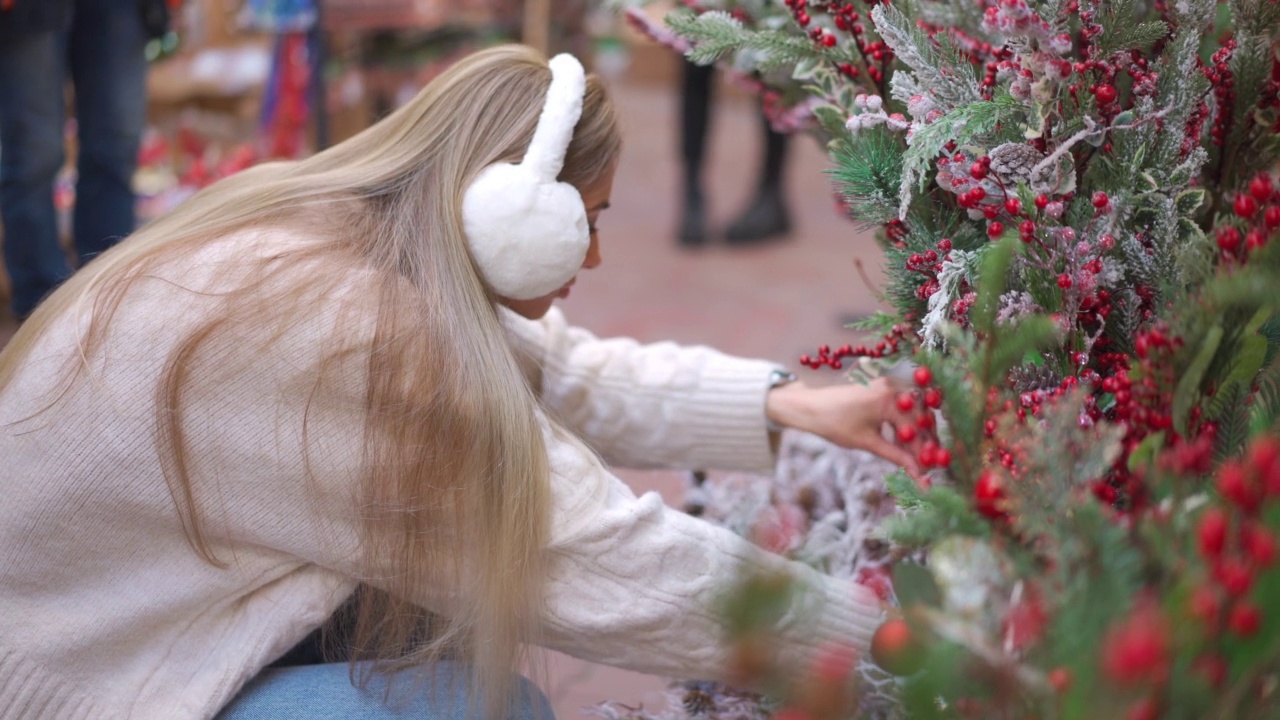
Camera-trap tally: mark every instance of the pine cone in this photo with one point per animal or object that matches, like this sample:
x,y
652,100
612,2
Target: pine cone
x,y
1029,378
1012,162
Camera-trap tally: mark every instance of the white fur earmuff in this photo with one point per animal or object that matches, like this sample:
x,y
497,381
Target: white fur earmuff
x,y
528,232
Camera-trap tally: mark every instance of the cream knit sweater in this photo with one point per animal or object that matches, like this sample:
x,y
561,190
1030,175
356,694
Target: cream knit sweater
x,y
106,612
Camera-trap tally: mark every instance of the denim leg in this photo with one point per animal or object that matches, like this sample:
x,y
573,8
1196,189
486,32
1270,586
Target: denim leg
x,y
107,54
325,692
32,69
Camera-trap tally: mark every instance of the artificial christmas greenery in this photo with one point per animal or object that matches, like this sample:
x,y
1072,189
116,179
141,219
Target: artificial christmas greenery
x,y
1082,232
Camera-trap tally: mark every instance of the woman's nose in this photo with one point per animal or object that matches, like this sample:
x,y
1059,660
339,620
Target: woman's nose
x,y
593,258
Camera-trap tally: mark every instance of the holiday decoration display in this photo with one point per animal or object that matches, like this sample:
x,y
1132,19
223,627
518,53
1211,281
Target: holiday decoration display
x,y
1080,217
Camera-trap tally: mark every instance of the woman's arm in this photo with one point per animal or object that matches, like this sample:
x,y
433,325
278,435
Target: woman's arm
x,y
667,405
635,584
655,405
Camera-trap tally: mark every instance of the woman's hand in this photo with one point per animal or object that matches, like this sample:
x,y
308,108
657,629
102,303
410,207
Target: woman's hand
x,y
851,416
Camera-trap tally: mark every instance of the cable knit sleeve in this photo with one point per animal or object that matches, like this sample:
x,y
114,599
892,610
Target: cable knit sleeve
x,y
634,583
660,405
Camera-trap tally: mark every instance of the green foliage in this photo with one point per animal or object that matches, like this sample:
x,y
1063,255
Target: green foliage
x,y
1255,24
1230,411
877,322
935,63
1189,384
1266,402
717,34
1031,334
1123,32
963,125
1096,581
914,585
928,514
994,279
869,173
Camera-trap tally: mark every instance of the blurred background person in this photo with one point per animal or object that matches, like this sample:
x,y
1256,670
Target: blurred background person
x,y
766,218
100,46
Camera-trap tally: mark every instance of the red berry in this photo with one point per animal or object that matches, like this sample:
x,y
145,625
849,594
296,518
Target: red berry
x,y
1042,202
1244,619
1261,545
895,648
928,454
1137,649
1106,94
1272,217
1254,239
1064,281
1100,200
988,495
995,229
923,376
1228,238
906,433
906,401
829,40
1013,206
944,244
925,421
1260,188
1245,206
977,171
1263,454
1060,679
1234,575
942,458
1234,485
1213,532
933,398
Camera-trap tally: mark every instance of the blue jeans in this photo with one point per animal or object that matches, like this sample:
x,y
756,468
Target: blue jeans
x,y
104,53
325,692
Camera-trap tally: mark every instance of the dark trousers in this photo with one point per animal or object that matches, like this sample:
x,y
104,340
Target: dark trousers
x,y
103,52
695,117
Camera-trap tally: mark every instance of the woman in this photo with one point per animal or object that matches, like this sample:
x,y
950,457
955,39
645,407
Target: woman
x,y
329,374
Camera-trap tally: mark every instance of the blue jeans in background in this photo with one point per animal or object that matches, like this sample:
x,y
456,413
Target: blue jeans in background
x,y
103,52
325,692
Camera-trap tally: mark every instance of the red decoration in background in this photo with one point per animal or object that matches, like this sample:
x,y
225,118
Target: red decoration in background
x,y
284,128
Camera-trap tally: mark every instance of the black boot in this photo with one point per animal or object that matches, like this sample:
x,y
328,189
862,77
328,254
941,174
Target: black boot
x,y
767,217
693,221
766,220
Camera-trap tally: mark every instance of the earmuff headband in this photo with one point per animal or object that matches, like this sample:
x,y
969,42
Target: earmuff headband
x,y
528,232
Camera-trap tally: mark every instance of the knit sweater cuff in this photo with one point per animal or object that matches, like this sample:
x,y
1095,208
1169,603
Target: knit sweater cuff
x,y
728,415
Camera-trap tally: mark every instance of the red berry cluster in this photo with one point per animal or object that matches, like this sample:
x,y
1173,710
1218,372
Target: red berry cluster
x,y
1137,653
1271,94
876,55
1143,406
989,496
889,344
1219,74
1258,209
1234,542
926,399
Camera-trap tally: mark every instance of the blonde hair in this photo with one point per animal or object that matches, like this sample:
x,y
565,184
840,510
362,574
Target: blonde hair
x,y
454,459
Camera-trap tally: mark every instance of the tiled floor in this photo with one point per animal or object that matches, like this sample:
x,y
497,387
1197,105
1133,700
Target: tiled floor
x,y
776,301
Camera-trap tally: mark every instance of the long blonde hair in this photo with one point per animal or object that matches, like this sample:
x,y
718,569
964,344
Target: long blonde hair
x,y
454,459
